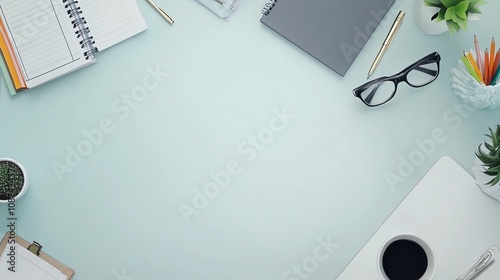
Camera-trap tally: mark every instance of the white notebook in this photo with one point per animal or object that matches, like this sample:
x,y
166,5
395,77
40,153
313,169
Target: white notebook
x,y
452,216
46,39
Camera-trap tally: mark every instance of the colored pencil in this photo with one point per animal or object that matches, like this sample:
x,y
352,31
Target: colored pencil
x,y
496,63
478,56
494,81
469,68
486,67
475,67
492,59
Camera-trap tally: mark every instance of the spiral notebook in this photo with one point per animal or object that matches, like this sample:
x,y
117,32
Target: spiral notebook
x,y
332,31
45,39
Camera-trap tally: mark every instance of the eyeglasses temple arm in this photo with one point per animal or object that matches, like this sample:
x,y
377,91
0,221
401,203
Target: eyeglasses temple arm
x,y
426,71
370,96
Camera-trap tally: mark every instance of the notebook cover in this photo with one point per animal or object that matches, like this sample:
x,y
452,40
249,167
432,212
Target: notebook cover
x,y
334,32
6,75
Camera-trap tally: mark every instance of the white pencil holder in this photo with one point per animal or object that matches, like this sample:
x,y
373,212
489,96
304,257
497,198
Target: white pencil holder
x,y
471,92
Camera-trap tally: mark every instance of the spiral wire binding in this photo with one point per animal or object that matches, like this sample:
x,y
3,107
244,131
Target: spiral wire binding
x,y
268,7
78,21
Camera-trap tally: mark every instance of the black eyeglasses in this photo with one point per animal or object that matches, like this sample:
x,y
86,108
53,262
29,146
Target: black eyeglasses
x,y
381,90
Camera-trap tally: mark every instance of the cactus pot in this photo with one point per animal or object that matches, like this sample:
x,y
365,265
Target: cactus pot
x,y
14,180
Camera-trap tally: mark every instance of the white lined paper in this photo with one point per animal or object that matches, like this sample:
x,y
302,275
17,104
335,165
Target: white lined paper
x,y
112,21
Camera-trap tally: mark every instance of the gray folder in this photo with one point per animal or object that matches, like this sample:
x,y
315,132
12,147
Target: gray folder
x,y
332,31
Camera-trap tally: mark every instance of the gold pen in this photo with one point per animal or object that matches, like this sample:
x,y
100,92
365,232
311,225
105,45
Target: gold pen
x,y
161,11
387,42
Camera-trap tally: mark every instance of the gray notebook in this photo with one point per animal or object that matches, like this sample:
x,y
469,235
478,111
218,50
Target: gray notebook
x,y
332,31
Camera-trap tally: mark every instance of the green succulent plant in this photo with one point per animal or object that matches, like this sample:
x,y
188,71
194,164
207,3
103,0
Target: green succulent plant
x,y
490,157
11,180
455,12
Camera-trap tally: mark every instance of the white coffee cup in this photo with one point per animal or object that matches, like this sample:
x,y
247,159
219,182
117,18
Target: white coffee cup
x,y
431,261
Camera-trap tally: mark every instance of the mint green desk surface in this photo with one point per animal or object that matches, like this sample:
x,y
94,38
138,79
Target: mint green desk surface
x,y
318,175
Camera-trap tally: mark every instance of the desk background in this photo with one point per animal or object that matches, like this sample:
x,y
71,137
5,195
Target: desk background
x,y
322,176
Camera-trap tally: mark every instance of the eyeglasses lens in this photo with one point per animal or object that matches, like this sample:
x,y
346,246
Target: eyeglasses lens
x,y
378,93
423,74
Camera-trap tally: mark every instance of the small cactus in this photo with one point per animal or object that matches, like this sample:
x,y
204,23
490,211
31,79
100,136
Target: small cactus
x,y
11,180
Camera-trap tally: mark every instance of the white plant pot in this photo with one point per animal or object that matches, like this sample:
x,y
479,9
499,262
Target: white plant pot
x,y
423,15
26,179
482,179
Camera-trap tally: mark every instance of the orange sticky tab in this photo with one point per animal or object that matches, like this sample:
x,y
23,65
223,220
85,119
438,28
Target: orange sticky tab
x,y
10,59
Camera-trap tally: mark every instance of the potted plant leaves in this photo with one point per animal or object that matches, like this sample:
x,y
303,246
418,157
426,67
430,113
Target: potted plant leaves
x,y
487,164
436,16
13,180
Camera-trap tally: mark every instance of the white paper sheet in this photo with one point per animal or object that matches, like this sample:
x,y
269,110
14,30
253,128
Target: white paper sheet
x,y
112,21
27,266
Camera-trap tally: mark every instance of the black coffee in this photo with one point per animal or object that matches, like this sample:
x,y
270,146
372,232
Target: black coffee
x,y
404,260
